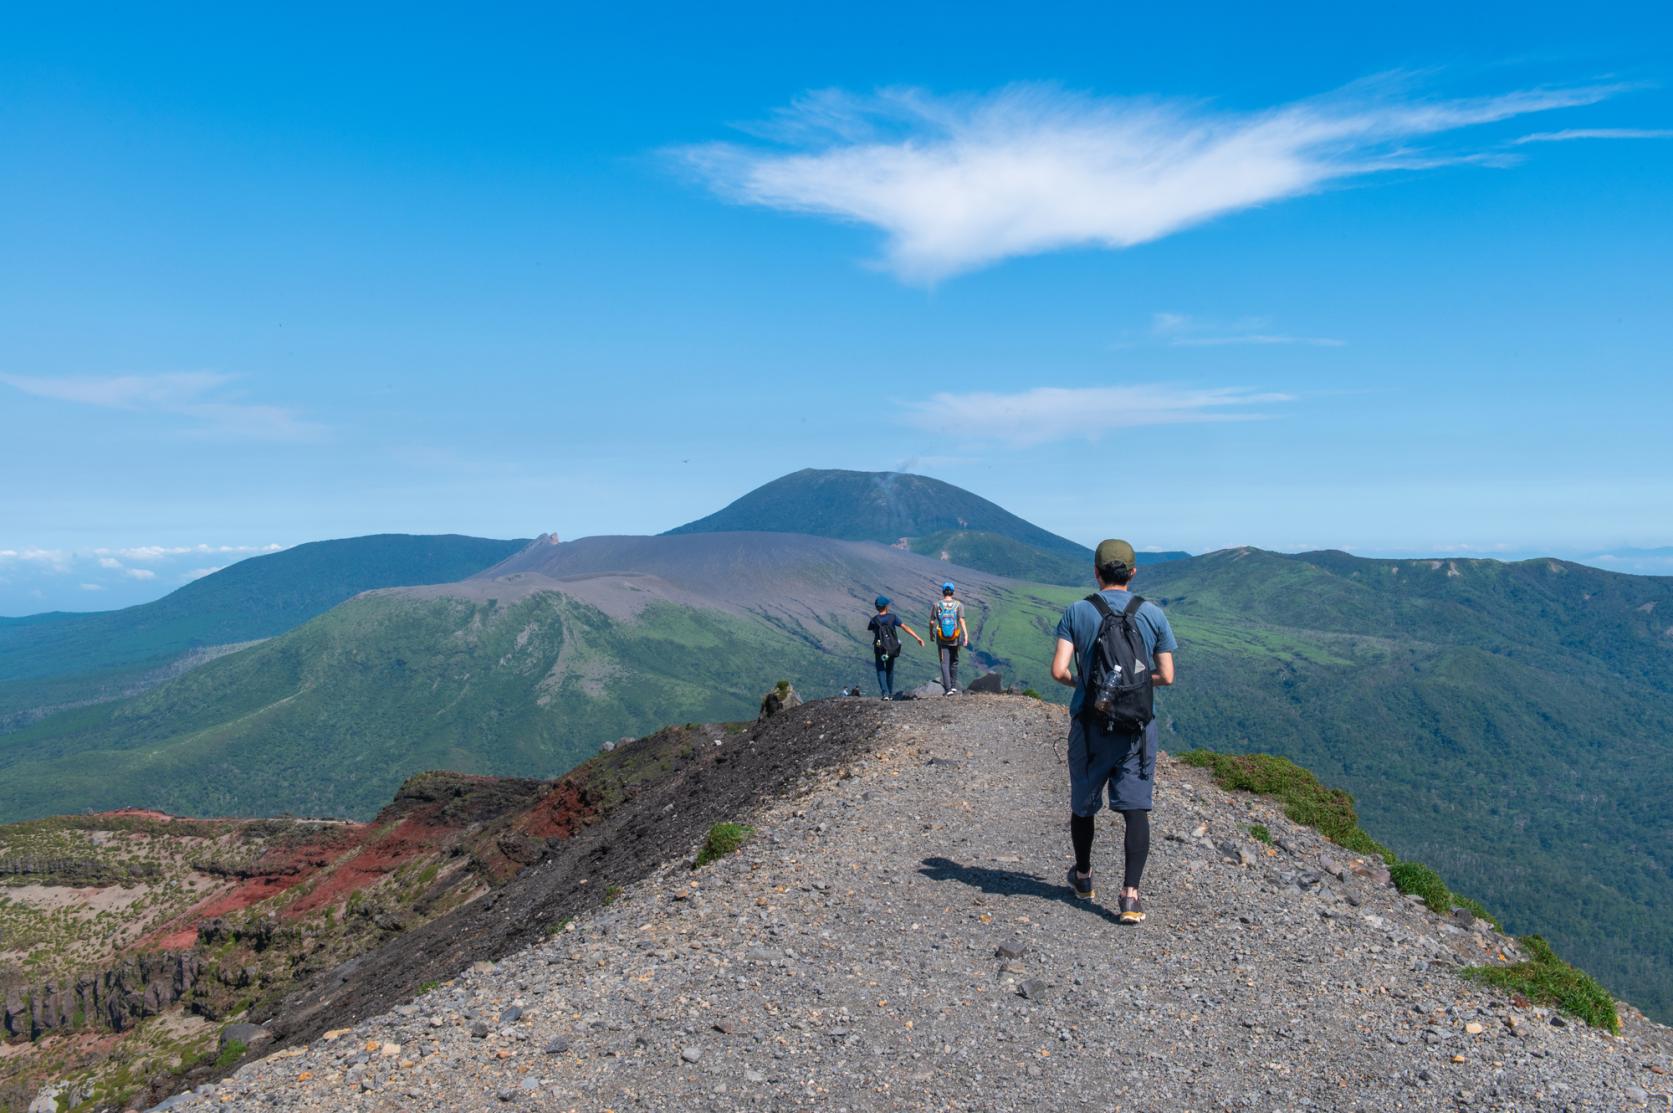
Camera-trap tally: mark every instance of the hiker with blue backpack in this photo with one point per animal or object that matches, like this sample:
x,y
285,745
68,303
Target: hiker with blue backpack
x,y
946,622
1121,647
885,644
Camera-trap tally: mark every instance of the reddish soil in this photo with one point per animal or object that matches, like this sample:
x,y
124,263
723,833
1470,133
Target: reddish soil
x,y
414,837
561,813
280,869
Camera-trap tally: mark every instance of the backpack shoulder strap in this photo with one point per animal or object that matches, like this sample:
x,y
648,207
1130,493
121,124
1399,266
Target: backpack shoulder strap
x,y
1100,604
1133,606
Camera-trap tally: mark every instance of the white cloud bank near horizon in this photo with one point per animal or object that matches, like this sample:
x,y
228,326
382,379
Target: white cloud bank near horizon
x,y
1046,414
34,579
957,183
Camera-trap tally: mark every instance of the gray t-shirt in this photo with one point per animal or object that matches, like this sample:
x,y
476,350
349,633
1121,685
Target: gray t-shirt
x,y
1080,622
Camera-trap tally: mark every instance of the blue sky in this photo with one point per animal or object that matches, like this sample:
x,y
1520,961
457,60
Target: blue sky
x,y
1323,278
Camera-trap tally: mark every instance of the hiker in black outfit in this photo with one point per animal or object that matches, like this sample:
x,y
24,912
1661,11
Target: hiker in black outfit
x,y
885,644
1121,647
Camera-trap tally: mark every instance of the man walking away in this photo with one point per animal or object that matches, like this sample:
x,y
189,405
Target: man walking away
x,y
885,644
946,623
1122,647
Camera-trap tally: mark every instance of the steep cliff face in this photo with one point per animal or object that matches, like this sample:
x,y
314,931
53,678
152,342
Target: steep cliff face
x,y
116,998
113,920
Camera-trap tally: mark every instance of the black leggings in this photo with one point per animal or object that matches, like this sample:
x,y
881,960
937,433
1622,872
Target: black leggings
x,y
1081,828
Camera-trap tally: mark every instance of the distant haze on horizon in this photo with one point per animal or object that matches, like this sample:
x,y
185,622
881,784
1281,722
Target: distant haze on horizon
x,y
37,580
1300,279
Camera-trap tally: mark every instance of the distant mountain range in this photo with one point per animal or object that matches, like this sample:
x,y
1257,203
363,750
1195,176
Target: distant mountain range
x,y
1511,723
912,512
58,660
525,667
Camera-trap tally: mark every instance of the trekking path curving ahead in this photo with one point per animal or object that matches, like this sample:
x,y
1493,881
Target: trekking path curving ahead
x,y
900,937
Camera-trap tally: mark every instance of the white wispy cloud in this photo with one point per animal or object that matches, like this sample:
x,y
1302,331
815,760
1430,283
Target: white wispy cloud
x,y
1595,133
1047,414
200,573
152,553
960,182
140,574
56,559
200,396
1180,330
92,587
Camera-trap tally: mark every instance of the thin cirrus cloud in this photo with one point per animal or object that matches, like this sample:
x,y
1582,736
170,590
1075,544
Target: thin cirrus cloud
x,y
1047,414
1594,133
1179,330
962,182
199,396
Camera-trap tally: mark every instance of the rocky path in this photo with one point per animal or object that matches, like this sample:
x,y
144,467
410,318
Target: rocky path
x,y
901,939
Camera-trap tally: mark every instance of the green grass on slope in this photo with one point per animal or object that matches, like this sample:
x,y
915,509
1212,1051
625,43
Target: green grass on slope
x,y
329,718
1542,977
1004,556
1547,979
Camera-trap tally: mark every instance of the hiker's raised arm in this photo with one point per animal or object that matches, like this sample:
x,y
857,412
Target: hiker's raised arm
x,y
1163,675
1064,658
913,632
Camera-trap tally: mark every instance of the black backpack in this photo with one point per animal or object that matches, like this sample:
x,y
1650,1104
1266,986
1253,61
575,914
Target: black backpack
x,y
887,642
1118,691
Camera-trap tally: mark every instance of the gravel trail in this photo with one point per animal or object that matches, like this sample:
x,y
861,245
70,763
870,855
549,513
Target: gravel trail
x,y
900,938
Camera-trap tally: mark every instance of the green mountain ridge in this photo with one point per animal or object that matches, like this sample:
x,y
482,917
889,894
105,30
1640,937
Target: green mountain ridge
x,y
925,515
525,669
63,659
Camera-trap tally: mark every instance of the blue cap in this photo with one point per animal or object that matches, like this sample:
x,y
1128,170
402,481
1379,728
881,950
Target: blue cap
x,y
882,600
948,586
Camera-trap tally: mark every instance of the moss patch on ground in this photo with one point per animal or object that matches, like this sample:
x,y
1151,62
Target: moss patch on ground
x,y
1547,979
723,839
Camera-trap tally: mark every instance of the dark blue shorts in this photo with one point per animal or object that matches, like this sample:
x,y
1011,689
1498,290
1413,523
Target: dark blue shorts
x,y
1124,764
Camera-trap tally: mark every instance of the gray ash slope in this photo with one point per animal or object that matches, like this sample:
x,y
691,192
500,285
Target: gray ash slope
x,y
898,936
757,572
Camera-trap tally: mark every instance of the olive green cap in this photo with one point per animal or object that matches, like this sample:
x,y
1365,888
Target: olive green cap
x,y
1114,551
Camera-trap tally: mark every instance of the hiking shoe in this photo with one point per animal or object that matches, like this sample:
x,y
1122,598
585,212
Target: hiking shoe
x,y
1132,910
1082,886
950,692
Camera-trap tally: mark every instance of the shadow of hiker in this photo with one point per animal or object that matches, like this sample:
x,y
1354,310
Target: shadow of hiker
x,y
1011,883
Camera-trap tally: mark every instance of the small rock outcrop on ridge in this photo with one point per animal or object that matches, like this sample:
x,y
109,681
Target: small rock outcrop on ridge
x,y
898,936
